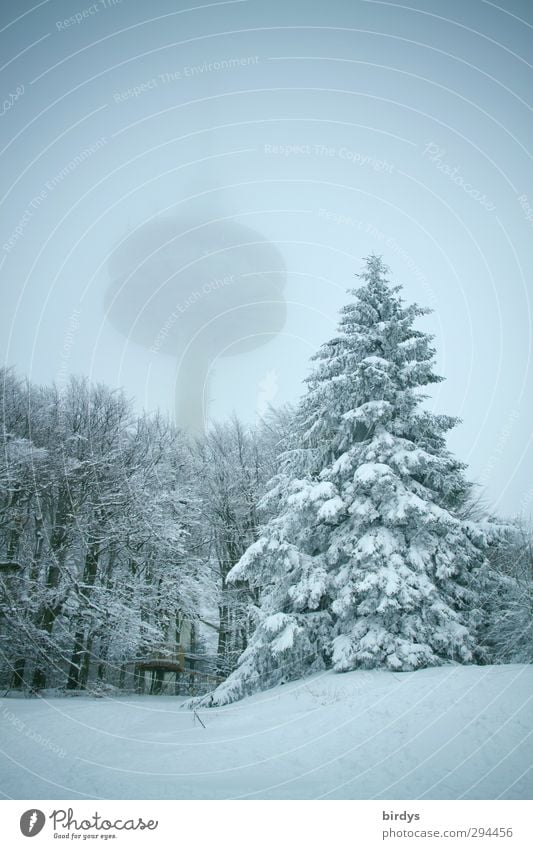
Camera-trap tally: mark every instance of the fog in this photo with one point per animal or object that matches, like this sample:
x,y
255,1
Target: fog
x,y
188,191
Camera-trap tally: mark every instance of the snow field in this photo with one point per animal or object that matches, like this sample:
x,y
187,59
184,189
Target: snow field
x,y
443,733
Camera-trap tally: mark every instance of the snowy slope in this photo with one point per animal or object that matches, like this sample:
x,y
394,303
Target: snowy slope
x,y
446,733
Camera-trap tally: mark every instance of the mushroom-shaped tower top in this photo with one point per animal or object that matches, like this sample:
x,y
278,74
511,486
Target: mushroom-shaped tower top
x,y
197,291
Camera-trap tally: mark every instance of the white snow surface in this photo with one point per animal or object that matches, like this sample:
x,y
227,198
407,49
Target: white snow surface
x,y
443,733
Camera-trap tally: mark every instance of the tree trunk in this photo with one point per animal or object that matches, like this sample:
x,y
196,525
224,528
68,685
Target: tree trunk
x,y
222,640
140,680
86,663
158,676
73,679
37,548
17,679
102,666
79,661
58,546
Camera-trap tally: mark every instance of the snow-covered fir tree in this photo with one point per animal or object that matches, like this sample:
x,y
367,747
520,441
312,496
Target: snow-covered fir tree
x,y
367,561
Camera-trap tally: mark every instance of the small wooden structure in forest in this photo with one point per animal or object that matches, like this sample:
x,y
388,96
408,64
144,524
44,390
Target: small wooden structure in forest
x,y
177,667
181,673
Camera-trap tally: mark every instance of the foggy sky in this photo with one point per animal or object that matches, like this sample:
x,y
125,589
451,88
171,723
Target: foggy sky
x,y
158,149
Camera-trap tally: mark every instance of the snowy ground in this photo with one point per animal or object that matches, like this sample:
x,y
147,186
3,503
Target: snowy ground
x,y
443,733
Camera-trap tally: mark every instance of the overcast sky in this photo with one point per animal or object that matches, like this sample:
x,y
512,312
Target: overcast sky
x,y
188,190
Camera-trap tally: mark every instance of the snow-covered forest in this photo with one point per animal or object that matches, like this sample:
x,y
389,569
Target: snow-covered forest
x,y
340,534
117,533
